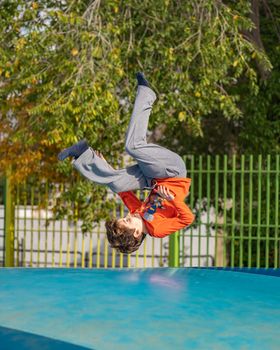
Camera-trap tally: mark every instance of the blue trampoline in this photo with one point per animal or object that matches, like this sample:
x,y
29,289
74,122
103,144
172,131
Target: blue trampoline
x,y
135,309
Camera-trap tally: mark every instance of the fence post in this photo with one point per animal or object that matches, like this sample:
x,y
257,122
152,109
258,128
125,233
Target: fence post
x,y
174,250
9,209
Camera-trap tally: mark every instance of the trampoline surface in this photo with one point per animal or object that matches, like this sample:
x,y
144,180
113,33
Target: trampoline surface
x,y
102,309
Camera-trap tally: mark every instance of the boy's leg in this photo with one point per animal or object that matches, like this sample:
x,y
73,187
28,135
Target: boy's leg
x,y
99,171
155,161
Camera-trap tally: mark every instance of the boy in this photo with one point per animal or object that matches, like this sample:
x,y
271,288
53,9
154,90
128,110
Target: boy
x,y
158,169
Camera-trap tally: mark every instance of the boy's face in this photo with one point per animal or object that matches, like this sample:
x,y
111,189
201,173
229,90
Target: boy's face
x,y
130,222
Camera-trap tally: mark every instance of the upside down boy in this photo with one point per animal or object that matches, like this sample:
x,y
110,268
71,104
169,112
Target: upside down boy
x,y
158,170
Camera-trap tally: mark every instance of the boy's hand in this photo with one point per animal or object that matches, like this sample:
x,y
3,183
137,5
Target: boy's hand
x,y
165,193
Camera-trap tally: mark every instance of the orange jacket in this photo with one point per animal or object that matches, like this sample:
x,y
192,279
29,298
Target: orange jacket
x,y
162,217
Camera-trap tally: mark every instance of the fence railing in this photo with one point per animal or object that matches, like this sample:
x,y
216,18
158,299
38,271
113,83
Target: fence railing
x,y
237,202
235,199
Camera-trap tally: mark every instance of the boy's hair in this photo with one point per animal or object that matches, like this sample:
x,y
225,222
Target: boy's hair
x,y
122,239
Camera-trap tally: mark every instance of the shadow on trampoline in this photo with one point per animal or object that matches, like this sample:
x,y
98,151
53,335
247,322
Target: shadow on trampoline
x,y
11,339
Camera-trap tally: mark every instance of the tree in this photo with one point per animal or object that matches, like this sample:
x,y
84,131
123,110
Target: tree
x,y
67,72
257,132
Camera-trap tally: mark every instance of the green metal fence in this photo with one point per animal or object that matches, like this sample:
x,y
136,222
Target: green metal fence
x,y
237,204
235,199
41,241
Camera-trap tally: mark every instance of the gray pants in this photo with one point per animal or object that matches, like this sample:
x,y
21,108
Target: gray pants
x,y
153,161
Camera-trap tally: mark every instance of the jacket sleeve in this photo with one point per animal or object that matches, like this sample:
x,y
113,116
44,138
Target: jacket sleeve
x,y
130,200
170,225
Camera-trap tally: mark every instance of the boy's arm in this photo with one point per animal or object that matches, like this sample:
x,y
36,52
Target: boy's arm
x,y
186,216
130,200
170,225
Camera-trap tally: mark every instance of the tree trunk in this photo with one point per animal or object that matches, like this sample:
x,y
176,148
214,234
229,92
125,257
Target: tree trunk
x,y
255,36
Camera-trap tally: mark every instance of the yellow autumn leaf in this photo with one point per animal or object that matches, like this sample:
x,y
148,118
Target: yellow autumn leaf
x,y
197,94
35,5
21,42
253,54
235,63
45,142
55,135
7,74
182,116
97,52
120,72
235,17
74,52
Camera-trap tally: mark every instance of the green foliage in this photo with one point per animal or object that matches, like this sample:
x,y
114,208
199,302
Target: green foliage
x,y
257,131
